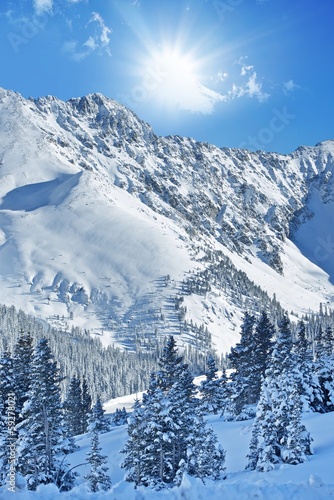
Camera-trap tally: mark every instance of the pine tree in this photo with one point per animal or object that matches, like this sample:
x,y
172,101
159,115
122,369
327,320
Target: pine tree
x,y
73,407
41,430
308,385
86,406
205,457
319,351
324,368
226,390
264,450
136,445
301,345
278,435
120,417
170,365
253,455
241,359
167,433
328,341
23,354
297,443
97,420
212,389
97,478
262,345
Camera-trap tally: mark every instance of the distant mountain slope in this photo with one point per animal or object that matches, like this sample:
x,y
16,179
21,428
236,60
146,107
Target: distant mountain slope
x,y
105,223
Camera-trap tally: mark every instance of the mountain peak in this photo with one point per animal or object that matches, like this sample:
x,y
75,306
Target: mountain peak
x,y
102,220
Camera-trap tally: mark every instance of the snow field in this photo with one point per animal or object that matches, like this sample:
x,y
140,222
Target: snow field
x,y
311,480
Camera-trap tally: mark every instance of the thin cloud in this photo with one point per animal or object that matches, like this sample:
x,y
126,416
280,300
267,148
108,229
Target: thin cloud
x,y
254,88
289,87
104,31
72,50
249,86
195,97
41,6
97,42
245,69
199,99
222,76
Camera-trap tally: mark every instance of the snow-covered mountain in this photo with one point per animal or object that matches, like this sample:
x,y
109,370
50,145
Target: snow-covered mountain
x,y
133,235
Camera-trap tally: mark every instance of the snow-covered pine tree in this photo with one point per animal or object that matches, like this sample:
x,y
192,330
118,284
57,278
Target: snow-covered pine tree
x,y
323,368
97,478
41,429
301,344
86,405
241,360
297,443
96,418
308,384
278,435
225,384
73,407
264,450
328,340
263,343
136,445
170,365
253,454
23,354
196,450
212,389
120,417
167,433
151,433
319,350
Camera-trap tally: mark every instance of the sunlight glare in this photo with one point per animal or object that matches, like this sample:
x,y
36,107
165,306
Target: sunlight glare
x,y
176,75
178,68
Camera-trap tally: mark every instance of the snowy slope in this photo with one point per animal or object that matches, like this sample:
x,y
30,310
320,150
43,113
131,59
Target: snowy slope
x,y
307,481
101,221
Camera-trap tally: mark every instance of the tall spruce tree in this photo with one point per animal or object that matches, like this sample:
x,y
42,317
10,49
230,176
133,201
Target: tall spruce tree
x,y
328,339
212,389
97,420
97,478
41,429
167,433
170,365
262,345
308,384
278,435
137,443
86,405
73,407
23,354
324,368
241,360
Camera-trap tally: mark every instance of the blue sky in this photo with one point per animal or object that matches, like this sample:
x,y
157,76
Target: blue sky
x,y
237,73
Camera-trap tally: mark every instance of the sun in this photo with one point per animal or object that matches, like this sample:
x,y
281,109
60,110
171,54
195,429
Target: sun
x,y
175,66
172,74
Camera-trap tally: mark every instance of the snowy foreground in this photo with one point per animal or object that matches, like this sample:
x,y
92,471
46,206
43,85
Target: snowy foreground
x,y
311,480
